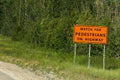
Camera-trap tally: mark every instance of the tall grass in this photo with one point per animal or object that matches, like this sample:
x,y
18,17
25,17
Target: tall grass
x,y
36,58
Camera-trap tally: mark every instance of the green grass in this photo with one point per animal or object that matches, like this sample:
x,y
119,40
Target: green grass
x,y
41,59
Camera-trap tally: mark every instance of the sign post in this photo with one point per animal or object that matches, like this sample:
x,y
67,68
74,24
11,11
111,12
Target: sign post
x,y
89,56
90,35
75,46
104,58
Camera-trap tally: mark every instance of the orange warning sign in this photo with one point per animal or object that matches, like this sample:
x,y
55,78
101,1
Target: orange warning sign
x,y
90,34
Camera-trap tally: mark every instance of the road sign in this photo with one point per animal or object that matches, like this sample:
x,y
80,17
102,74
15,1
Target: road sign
x,y
90,34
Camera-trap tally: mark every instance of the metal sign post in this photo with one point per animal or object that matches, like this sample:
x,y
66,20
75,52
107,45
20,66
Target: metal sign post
x,y
89,56
104,58
91,35
75,46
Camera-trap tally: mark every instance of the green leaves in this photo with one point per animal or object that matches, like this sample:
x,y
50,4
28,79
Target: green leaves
x,y
49,23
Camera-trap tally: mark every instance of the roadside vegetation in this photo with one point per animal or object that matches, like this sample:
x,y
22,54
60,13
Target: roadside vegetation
x,y
39,59
49,23
38,34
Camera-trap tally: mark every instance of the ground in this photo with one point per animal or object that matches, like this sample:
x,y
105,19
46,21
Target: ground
x,y
10,71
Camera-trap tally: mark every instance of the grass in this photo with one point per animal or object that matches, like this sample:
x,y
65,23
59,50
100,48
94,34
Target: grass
x,y
41,59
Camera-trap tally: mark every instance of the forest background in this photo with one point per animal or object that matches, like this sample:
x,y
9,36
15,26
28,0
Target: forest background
x,y
49,23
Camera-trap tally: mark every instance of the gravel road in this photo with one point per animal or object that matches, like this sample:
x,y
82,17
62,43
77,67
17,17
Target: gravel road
x,y
5,77
12,72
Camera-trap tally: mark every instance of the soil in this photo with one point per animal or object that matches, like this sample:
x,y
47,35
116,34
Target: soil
x,y
14,72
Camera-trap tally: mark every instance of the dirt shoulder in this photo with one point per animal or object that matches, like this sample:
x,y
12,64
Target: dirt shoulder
x,y
17,73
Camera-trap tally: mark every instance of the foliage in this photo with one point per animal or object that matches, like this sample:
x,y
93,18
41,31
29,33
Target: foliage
x,y
49,23
41,60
